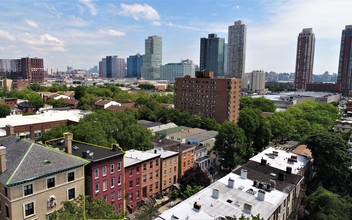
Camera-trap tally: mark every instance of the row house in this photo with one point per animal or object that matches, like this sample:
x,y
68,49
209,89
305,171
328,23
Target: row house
x,y
149,171
186,156
35,180
104,175
133,185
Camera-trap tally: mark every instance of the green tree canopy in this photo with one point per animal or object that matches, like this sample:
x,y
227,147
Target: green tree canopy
x,y
194,177
265,105
4,111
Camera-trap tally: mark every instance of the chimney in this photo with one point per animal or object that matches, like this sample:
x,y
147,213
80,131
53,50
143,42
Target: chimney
x,y
196,206
273,184
114,147
261,195
243,174
84,154
247,208
231,183
155,151
68,142
10,130
288,170
215,194
263,161
2,159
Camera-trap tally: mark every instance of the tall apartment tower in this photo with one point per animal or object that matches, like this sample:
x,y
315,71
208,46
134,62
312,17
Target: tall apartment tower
x,y
152,59
134,66
236,49
112,67
344,77
218,98
212,54
304,58
257,81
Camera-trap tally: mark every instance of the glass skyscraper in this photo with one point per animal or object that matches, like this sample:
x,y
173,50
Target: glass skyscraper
x,y
212,54
152,59
134,66
344,76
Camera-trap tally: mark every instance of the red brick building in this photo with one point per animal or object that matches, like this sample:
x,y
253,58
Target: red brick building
x,y
133,185
218,98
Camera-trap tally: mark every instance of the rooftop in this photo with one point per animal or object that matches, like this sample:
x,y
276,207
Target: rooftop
x,y
295,94
161,127
169,131
206,135
140,155
230,202
27,161
281,159
163,153
163,143
302,150
186,133
180,147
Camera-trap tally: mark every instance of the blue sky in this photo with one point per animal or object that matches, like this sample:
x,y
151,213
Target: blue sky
x,y
81,32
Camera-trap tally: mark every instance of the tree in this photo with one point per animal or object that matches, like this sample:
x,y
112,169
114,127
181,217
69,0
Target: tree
x,y
87,102
194,177
263,104
324,204
210,124
56,103
4,110
263,136
332,161
228,142
190,191
55,132
80,91
146,86
148,211
281,125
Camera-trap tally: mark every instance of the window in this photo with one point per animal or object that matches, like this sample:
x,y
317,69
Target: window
x,y
169,180
118,166
164,183
157,173
137,169
71,193
170,170
70,176
112,182
119,194
174,169
104,170
131,183
164,172
29,209
144,178
7,212
96,173
50,182
96,188
28,189
131,172
157,162
112,196
170,161
137,194
157,185
130,196
120,207
105,185
137,182
150,187
144,166
119,180
112,168
151,176
184,164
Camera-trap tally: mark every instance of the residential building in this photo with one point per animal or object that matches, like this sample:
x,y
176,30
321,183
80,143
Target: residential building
x,y
133,183
112,67
152,58
169,167
206,138
257,81
344,76
212,54
182,135
304,58
171,71
150,171
134,66
32,126
104,104
35,180
186,156
161,127
24,68
104,175
236,49
323,87
218,98
166,132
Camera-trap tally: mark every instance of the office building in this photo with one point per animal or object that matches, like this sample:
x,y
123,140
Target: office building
x,y
225,60
344,76
236,49
31,69
257,81
112,67
218,98
152,59
171,71
134,66
35,180
304,58
212,54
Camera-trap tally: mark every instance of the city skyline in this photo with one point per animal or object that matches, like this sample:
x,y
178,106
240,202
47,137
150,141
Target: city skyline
x,y
79,33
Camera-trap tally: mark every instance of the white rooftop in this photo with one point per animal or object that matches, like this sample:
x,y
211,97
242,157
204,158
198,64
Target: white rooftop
x,y
281,160
162,127
163,153
230,202
140,155
127,161
47,116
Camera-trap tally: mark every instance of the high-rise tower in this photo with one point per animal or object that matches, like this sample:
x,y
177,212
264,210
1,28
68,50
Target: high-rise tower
x,y
304,58
152,58
212,54
236,49
344,76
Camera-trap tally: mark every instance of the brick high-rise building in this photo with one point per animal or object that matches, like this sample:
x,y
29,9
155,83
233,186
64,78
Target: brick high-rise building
x,y
218,98
345,62
304,58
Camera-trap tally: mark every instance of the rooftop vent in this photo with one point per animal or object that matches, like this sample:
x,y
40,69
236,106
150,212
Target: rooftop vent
x,y
247,208
288,170
273,184
263,161
196,206
261,195
47,162
282,176
229,201
174,217
231,183
215,194
251,191
243,174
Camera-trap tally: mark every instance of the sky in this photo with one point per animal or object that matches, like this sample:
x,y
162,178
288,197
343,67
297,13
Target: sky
x,y
80,33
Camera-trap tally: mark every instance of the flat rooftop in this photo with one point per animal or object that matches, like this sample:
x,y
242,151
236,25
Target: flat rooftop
x,y
281,159
163,153
295,94
231,201
141,155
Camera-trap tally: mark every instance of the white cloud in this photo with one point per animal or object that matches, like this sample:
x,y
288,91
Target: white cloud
x,y
44,42
4,35
90,6
77,22
111,32
141,11
31,23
